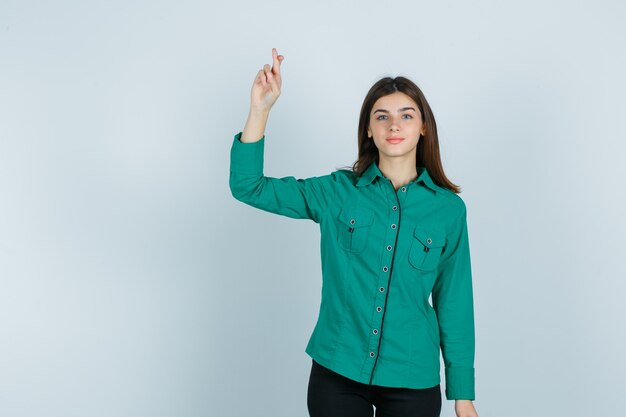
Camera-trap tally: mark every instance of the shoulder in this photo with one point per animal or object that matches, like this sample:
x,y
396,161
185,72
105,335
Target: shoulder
x,y
454,204
343,174
454,199
332,182
340,177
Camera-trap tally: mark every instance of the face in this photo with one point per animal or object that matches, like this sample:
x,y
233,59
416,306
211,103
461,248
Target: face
x,y
395,125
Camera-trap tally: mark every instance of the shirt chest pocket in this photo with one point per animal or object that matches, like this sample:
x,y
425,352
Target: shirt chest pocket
x,y
353,228
426,248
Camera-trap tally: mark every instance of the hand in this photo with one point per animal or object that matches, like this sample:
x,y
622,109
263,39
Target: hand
x,y
464,408
266,86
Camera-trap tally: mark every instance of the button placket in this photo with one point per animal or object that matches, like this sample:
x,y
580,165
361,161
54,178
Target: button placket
x,y
381,299
373,345
402,195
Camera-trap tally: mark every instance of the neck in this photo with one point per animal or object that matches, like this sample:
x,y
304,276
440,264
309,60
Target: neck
x,y
400,171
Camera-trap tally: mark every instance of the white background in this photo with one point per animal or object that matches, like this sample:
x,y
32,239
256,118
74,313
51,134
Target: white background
x,y
133,284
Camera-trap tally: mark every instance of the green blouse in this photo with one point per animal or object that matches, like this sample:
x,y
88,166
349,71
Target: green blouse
x,y
383,253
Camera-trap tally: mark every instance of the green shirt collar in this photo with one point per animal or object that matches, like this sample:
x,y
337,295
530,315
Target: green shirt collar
x,y
373,171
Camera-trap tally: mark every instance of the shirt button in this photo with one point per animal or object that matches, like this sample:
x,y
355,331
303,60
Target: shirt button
x,y
379,309
393,226
375,331
352,221
372,354
394,208
429,241
403,189
388,247
385,269
381,289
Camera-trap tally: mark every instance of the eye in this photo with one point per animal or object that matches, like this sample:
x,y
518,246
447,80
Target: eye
x,y
379,117
409,116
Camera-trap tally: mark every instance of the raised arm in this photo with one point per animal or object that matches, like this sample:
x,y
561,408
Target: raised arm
x,y
265,92
297,198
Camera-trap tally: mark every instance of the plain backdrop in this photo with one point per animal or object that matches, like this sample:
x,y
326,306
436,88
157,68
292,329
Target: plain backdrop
x,y
133,284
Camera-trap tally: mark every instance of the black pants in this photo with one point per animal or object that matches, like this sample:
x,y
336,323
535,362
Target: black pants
x,y
333,395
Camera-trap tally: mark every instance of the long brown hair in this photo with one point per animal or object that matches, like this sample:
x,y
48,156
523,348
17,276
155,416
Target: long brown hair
x,y
428,145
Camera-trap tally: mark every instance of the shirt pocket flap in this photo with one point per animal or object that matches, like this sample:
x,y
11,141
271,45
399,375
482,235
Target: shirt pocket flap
x,y
356,217
430,238
426,248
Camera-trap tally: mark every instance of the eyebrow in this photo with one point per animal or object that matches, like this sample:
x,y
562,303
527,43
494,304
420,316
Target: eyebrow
x,y
399,110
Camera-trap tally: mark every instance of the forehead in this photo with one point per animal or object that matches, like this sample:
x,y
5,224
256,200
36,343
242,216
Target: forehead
x,y
394,101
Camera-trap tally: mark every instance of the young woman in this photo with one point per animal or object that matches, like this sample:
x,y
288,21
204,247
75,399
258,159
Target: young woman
x,y
393,233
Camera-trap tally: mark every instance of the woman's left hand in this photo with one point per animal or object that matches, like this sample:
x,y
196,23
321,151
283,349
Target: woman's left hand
x,y
464,408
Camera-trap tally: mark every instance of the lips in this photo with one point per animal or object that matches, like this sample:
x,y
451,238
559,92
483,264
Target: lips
x,y
394,140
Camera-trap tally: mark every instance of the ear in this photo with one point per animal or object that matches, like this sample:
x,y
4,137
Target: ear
x,y
369,133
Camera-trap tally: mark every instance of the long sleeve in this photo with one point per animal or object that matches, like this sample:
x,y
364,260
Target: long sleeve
x,y
454,305
305,198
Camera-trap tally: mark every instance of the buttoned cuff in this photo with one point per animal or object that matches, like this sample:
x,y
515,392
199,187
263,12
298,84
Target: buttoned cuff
x,y
460,383
247,157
